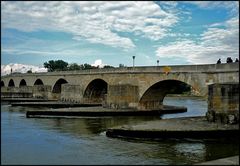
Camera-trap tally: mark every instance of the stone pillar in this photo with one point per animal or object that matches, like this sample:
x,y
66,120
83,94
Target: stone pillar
x,y
42,91
122,96
72,93
223,103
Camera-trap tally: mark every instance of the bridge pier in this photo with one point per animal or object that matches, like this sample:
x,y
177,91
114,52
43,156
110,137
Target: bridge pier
x,y
223,103
122,96
42,91
72,93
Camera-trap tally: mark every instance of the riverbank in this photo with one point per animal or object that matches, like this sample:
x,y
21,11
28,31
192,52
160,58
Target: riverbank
x,y
187,127
184,96
234,160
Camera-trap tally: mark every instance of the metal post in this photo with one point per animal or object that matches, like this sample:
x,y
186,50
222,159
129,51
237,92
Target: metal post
x,y
133,60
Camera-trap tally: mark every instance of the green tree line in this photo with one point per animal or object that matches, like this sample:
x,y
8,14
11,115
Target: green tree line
x,y
60,65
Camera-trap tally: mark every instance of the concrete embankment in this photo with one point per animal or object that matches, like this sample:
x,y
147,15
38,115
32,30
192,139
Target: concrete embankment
x,y
100,111
187,127
53,104
16,100
234,160
35,114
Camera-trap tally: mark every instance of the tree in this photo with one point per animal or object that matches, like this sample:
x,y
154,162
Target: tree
x,y
49,65
58,65
74,66
108,66
121,65
88,66
29,71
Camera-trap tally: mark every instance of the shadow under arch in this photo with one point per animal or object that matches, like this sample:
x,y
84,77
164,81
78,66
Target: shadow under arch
x,y
38,82
96,91
57,86
22,83
11,83
152,99
2,84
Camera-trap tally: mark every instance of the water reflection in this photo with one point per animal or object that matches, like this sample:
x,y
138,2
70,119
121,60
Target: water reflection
x,y
81,125
83,141
195,107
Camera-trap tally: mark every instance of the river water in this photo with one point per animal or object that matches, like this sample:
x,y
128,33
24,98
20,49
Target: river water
x,y
83,141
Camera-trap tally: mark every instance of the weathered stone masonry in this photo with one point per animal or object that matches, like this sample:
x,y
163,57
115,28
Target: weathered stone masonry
x,y
142,88
223,103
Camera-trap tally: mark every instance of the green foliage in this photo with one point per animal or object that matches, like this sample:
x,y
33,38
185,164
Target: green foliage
x,y
87,66
121,65
108,66
74,66
58,65
29,71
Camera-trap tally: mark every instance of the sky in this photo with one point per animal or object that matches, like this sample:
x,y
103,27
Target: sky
x,y
110,33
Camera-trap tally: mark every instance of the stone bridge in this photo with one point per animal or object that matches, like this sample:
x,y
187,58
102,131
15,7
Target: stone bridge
x,y
142,88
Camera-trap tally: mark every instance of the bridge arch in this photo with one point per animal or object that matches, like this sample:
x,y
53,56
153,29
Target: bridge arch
x,y
57,86
22,83
38,82
95,91
11,83
153,97
2,84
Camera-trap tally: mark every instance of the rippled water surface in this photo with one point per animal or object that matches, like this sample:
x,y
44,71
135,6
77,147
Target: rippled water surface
x,y
83,141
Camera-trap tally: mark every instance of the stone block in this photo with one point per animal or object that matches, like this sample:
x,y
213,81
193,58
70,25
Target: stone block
x,y
122,96
223,103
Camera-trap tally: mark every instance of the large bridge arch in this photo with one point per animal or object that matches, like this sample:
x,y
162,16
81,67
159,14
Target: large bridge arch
x,y
38,82
95,91
2,84
57,86
196,83
153,97
11,83
22,83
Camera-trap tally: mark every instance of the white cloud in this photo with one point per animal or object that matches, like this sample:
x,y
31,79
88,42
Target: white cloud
x,y
22,68
96,22
98,63
214,43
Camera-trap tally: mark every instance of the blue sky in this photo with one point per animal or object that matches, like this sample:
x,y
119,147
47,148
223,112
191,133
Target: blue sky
x,y
110,33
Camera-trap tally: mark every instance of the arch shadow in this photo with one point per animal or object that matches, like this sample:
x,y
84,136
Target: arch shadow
x,y
57,86
2,84
22,83
38,82
11,83
153,97
96,91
